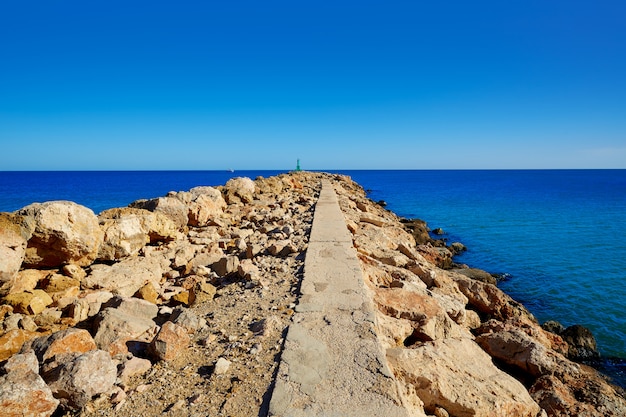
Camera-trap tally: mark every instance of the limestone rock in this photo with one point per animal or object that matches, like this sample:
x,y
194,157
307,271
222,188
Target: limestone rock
x,y
221,366
174,209
74,272
157,226
517,349
201,292
457,376
71,340
188,319
477,274
133,367
114,327
125,277
171,340
63,232
123,237
22,391
148,293
428,318
12,341
27,280
204,204
582,344
239,189
13,241
226,265
32,302
77,379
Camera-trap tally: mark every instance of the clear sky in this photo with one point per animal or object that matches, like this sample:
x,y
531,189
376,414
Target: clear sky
x,y
339,84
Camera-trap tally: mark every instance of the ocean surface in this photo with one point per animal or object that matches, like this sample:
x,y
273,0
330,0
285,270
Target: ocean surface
x,y
559,236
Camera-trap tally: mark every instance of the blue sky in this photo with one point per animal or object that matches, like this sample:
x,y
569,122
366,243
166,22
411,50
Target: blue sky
x,y
338,84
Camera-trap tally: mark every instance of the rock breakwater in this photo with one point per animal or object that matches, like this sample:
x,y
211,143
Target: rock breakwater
x,y
179,305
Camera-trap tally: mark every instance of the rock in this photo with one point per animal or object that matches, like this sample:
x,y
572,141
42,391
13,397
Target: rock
x,y
371,219
438,231
517,349
74,271
553,326
148,293
27,280
239,189
428,318
282,248
156,225
13,241
12,341
170,342
582,344
201,292
457,376
174,209
77,379
63,232
123,237
248,270
133,367
477,274
222,366
457,247
114,327
29,302
71,340
22,391
188,319
267,326
226,265
204,204
126,277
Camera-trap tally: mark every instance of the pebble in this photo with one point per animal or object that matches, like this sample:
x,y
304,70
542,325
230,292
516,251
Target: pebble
x,y
221,366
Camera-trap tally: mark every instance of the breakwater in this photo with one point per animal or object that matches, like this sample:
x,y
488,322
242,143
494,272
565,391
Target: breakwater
x,y
232,256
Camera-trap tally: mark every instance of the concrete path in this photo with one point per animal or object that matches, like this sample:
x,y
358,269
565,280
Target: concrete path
x,y
332,364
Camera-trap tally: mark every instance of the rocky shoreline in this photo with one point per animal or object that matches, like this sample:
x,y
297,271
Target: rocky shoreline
x,y
179,305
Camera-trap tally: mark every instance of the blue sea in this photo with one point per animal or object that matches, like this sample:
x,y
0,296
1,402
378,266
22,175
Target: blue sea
x,y
559,236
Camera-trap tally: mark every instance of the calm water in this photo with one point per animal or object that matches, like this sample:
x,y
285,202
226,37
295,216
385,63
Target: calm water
x,y
559,235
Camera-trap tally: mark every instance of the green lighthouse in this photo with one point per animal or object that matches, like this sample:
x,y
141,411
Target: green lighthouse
x,y
298,165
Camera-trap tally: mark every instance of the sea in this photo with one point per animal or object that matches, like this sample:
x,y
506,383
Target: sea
x,y
557,237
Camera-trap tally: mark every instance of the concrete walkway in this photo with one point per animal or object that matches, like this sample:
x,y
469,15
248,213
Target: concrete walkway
x,y
332,364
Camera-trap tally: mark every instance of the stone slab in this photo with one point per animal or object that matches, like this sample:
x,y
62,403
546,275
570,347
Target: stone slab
x,y
332,364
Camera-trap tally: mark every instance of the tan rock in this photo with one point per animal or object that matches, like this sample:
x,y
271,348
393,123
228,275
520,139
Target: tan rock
x,y
63,232
517,349
156,225
27,280
201,292
123,237
13,241
133,367
71,340
24,393
204,204
459,377
74,271
170,206
239,189
116,326
12,341
80,377
125,277
226,265
148,293
29,302
170,342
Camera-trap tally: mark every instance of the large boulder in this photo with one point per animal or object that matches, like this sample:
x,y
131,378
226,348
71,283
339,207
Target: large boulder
x,y
13,241
63,232
204,204
22,391
457,376
126,277
122,238
76,378
70,340
428,317
240,189
582,344
170,206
